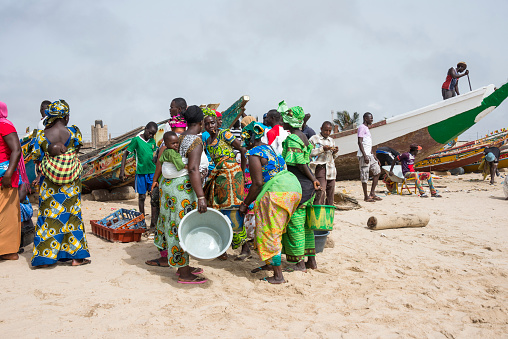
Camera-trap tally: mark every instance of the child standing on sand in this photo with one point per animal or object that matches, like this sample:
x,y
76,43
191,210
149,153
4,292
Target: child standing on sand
x,y
144,147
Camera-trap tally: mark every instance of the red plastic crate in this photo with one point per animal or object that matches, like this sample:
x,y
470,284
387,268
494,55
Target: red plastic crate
x,y
123,235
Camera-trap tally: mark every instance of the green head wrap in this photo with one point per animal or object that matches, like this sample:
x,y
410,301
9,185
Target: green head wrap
x,y
208,112
251,132
292,116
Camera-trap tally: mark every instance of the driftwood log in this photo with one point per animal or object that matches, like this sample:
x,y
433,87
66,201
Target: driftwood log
x,y
382,222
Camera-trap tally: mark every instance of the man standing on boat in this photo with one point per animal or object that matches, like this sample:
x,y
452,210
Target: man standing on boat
x,y
368,161
450,87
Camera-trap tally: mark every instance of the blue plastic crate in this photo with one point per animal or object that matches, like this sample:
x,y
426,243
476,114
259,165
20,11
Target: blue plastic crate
x,y
124,219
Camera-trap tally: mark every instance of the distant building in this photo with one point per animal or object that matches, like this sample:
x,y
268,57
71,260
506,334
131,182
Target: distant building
x,y
99,134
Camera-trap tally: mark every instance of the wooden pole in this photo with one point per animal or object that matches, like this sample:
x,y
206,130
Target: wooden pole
x,y
382,222
470,88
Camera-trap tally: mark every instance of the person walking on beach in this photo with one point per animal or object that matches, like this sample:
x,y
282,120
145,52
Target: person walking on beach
x,y
450,87
59,233
367,160
323,164
144,148
407,161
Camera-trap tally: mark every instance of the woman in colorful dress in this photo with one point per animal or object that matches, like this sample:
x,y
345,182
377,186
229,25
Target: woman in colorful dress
x,y
298,242
59,233
276,194
225,184
179,196
10,161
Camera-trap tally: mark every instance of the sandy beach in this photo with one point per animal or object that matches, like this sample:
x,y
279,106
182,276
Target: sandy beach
x,y
446,280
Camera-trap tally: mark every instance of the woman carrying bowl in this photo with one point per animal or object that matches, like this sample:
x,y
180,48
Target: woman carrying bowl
x,y
276,194
225,184
179,196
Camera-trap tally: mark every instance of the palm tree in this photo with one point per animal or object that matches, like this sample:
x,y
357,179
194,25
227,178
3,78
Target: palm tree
x,y
345,121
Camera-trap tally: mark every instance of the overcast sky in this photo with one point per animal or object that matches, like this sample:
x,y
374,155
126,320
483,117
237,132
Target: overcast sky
x,y
123,61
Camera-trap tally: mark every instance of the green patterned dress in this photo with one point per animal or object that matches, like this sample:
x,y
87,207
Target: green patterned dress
x,y
298,241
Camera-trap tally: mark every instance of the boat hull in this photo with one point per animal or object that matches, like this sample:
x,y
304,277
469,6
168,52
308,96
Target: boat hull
x,y
431,127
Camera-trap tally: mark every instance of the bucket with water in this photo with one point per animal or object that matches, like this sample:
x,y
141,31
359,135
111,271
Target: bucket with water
x,y
205,235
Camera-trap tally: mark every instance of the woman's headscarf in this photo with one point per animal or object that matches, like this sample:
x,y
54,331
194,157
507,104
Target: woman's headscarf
x,y
208,112
57,110
251,132
4,113
292,116
247,120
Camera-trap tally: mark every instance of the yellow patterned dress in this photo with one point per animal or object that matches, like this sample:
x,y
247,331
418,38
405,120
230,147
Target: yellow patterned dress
x,y
59,233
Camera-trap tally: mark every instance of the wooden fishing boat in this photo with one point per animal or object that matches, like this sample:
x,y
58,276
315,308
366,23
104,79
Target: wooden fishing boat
x,y
101,168
431,127
461,156
503,163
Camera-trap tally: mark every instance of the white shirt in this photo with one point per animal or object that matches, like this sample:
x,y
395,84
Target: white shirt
x,y
364,132
318,156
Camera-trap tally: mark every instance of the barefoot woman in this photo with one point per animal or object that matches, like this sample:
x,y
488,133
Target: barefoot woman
x,y
276,193
59,233
298,241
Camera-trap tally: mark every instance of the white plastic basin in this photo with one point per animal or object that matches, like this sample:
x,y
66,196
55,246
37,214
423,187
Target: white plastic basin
x,y
205,236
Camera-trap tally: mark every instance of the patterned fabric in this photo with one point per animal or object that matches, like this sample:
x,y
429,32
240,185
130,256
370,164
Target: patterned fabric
x,y
27,210
321,157
293,116
275,162
62,169
295,152
188,143
221,148
208,112
59,233
251,132
225,185
273,209
418,177
298,241
177,122
177,198
57,110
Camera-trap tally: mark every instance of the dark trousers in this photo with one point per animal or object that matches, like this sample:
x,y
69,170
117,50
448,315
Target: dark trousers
x,y
324,197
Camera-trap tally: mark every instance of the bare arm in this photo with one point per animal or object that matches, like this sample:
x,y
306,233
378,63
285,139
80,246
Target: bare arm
x,y
238,146
256,174
360,144
158,169
12,141
195,176
122,166
394,162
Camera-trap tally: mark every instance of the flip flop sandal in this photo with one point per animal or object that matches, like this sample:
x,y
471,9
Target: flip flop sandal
x,y
84,262
195,272
436,196
376,198
369,200
266,279
156,261
196,280
243,257
259,269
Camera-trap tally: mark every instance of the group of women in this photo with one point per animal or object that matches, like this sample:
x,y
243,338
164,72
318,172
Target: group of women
x,y
281,187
